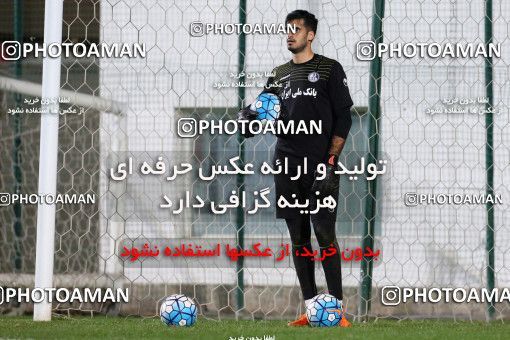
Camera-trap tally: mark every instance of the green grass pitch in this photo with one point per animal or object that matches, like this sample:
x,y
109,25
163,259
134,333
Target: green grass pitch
x,y
101,327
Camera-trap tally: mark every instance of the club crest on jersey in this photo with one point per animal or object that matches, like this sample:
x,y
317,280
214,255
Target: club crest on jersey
x,y
313,77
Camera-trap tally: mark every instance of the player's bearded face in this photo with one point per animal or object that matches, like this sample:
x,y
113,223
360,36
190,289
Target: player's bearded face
x,y
296,42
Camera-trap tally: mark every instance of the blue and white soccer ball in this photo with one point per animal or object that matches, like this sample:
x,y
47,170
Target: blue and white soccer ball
x,y
267,106
324,311
178,310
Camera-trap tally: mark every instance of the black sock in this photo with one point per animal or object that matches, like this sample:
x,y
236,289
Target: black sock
x,y
333,271
305,270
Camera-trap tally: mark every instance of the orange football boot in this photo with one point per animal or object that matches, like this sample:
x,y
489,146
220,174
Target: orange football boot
x,y
343,321
301,321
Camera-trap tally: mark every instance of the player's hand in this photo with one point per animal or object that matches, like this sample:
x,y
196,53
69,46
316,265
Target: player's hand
x,y
247,115
330,184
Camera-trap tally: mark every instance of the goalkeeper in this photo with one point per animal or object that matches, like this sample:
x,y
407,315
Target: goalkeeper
x,y
310,87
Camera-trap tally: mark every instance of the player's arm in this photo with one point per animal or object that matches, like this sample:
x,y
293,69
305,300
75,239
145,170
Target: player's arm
x,y
337,145
341,103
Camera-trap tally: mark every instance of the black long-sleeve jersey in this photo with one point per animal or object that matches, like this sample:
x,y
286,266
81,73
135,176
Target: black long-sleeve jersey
x,y
315,90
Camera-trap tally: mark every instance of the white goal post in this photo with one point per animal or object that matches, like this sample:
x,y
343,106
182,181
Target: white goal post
x,y
50,89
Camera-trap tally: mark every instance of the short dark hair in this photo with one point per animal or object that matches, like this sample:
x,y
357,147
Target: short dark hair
x,y
309,19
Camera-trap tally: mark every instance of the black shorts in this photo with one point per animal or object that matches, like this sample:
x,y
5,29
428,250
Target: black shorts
x,y
300,189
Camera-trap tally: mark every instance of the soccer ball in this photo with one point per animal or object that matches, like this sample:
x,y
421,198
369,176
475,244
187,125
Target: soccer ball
x,y
267,106
178,310
324,311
